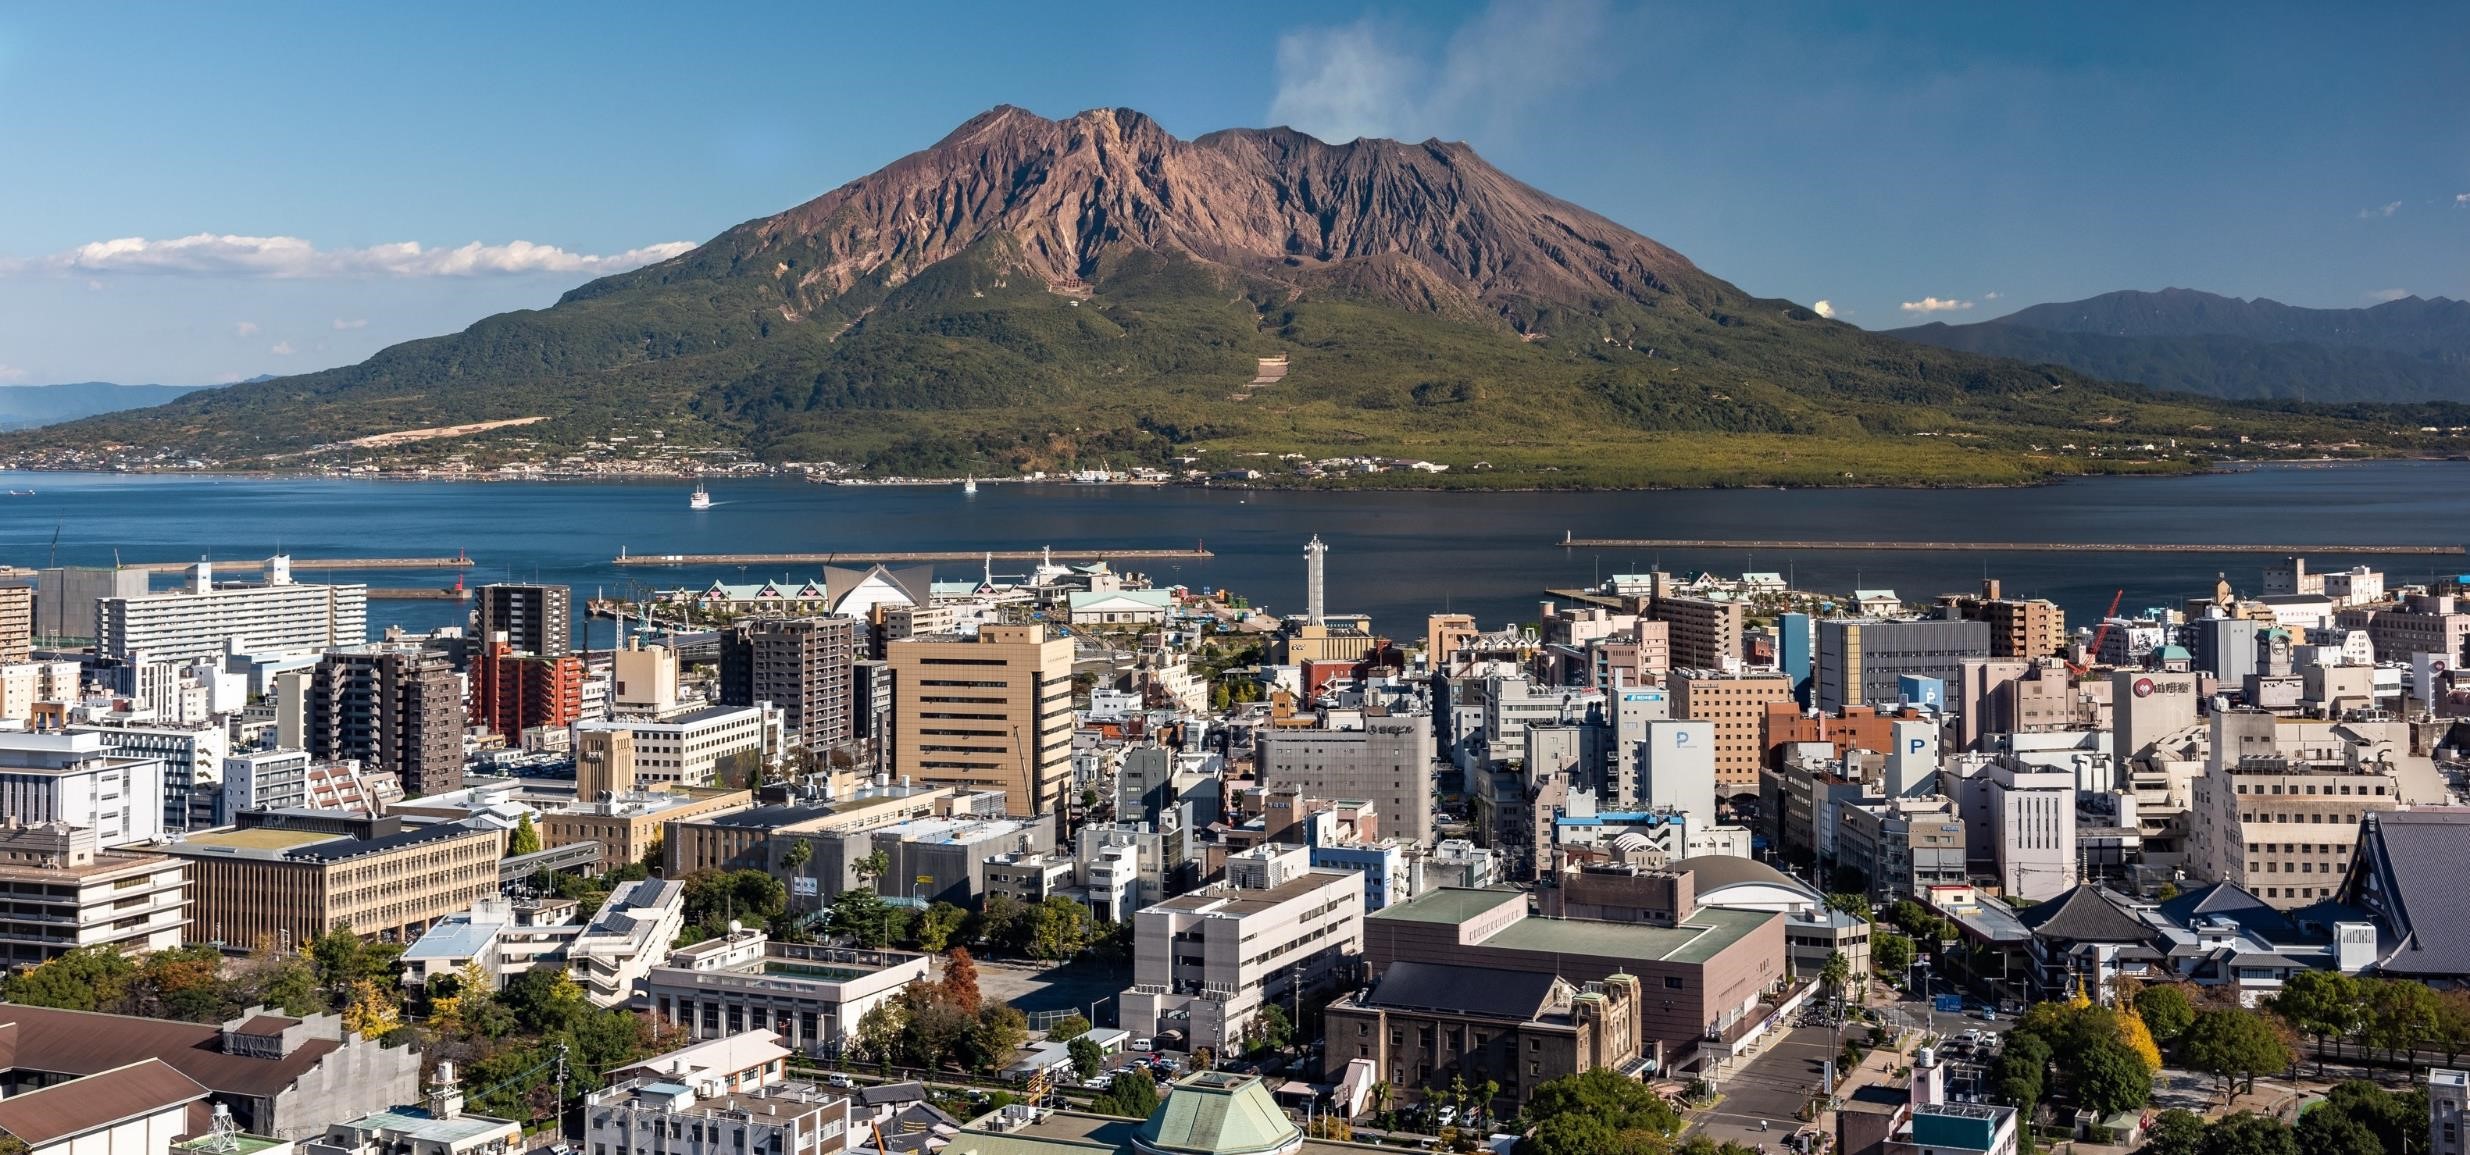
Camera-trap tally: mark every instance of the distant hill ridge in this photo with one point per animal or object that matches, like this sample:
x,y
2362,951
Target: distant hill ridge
x,y
32,406
2412,349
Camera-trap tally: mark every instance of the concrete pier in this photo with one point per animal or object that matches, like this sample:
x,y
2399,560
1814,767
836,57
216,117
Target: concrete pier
x,y
1573,542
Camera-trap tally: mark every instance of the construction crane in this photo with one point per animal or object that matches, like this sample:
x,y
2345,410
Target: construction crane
x,y
2099,635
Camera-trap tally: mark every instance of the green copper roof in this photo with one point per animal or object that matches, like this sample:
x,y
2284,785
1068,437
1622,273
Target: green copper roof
x,y
1213,1113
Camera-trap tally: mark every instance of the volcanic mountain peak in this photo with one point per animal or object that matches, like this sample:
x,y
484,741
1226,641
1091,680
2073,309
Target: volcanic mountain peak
x,y
1429,225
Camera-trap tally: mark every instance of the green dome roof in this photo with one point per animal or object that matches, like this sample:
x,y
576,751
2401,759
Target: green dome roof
x,y
1214,1113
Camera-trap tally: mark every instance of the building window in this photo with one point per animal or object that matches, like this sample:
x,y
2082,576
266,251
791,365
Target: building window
x,y
1672,982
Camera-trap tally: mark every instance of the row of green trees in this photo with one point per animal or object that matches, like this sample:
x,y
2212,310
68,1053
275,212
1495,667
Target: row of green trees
x,y
2395,1016
2356,1118
1601,1113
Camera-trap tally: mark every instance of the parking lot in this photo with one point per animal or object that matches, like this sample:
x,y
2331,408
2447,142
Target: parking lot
x,y
1079,985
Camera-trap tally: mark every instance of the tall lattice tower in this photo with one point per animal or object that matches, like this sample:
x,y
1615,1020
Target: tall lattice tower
x,y
1314,553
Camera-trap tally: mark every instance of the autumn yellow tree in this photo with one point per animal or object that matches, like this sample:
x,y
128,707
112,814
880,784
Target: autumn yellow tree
x,y
370,1012
2139,1038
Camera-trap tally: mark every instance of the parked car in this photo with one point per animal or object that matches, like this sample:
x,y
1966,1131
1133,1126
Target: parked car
x,y
1446,1115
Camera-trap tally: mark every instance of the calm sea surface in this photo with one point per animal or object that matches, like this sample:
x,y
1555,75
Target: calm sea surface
x,y
1396,556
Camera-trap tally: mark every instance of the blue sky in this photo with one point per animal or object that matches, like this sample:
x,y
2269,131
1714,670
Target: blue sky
x,y
1976,157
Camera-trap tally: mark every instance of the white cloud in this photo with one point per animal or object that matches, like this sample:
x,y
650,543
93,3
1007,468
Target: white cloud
x,y
209,254
1935,305
245,329
12,375
1989,296
1824,309
2380,211
2381,295
281,349
340,324
2462,199
1367,78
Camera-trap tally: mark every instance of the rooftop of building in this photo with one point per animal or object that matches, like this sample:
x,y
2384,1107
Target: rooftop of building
x,y
63,1111
1221,898
274,843
74,1043
645,803
1697,938
420,1126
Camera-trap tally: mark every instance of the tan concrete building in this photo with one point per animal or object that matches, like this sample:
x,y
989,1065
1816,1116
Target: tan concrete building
x,y
1737,705
1318,642
16,623
626,825
2277,818
292,876
1443,634
604,764
992,712
1705,634
62,892
753,838
2024,629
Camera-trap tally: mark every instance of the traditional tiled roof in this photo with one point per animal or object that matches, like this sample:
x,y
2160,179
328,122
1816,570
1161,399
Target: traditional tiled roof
x,y
2084,914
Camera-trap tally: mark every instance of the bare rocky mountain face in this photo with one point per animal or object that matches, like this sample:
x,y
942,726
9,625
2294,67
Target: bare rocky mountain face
x,y
1430,226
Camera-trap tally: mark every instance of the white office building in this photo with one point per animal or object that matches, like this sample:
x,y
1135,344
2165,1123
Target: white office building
x,y
75,779
694,748
192,757
1676,770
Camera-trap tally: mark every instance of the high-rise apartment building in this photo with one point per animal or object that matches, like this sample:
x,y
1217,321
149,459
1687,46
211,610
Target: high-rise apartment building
x,y
1737,704
204,621
394,709
1704,634
992,712
534,619
2279,814
16,623
801,665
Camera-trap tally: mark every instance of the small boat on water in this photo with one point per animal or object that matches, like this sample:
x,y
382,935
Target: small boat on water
x,y
970,486
701,499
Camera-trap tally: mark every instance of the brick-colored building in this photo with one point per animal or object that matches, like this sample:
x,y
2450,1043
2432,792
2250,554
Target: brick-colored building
x,y
1423,1025
1737,705
626,825
1853,728
1704,974
516,692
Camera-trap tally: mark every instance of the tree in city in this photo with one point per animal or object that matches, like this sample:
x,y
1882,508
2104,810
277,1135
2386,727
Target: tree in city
x,y
1068,1027
1836,974
1000,925
1381,1093
960,981
526,838
2139,1038
2234,1046
1272,1029
2166,1011
2247,1133
1891,953
2396,1119
998,1030
871,869
2109,1077
862,916
1088,1058
1598,1113
2400,1015
2177,1131
2018,1076
715,898
1133,1095
939,925
370,1012
1059,928
794,859
1850,902
2322,1005
2323,1132
86,978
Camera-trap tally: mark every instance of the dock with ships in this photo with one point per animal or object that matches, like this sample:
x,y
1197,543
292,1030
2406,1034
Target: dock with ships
x,y
870,557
